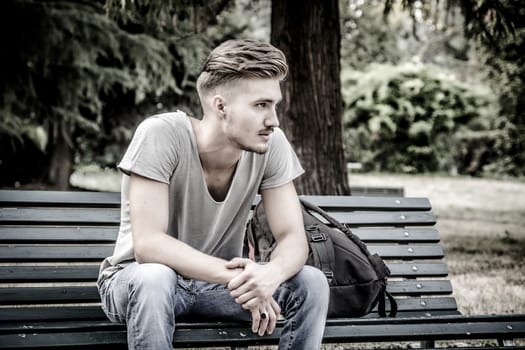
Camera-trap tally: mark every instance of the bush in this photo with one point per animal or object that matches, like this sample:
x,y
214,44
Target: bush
x,y
416,118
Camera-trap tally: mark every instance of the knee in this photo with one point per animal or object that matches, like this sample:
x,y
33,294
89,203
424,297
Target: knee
x,y
154,279
313,282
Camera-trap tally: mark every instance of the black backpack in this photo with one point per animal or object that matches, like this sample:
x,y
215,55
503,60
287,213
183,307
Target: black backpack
x,y
357,278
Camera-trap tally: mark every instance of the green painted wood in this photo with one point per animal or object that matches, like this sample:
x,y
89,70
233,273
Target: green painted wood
x,y
349,203
418,269
111,216
89,272
63,227
75,294
59,234
54,253
397,235
112,199
49,273
416,306
89,252
97,234
59,198
62,216
363,330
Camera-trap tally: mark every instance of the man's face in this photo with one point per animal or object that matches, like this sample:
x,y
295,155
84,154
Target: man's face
x,y
250,113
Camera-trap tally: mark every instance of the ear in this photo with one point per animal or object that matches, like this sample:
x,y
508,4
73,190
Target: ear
x,y
219,105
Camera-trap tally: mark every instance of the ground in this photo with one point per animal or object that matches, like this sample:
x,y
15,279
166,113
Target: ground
x,y
482,225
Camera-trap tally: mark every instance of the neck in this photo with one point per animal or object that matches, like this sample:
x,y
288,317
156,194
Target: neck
x,y
215,152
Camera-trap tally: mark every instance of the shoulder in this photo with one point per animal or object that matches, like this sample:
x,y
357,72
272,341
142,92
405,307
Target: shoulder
x,y
161,122
278,137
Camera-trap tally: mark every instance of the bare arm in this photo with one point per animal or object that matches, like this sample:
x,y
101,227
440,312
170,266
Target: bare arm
x,y
284,214
254,287
149,221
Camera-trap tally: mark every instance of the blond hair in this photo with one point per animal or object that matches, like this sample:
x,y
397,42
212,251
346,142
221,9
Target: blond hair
x,y
240,59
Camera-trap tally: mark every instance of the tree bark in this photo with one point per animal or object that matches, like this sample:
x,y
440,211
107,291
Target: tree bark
x,y
311,112
60,165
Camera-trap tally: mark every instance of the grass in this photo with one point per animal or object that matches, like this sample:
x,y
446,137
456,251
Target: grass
x,y
482,226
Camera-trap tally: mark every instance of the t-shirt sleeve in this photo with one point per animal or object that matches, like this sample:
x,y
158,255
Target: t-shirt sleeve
x,y
282,165
152,152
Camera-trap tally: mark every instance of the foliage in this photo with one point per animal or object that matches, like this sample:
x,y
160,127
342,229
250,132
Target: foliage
x,y
487,20
64,63
88,72
508,78
413,118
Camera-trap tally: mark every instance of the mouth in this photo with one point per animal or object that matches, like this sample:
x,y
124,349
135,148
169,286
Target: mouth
x,y
266,134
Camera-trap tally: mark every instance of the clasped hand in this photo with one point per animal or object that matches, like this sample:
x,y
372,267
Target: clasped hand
x,y
253,289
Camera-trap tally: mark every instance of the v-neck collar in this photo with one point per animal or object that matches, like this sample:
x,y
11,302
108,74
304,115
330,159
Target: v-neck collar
x,y
196,158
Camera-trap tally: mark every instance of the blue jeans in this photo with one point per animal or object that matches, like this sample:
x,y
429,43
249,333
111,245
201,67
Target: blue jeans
x,y
148,298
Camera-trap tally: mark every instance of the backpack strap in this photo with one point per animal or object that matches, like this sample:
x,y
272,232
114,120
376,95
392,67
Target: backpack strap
x,y
322,251
313,208
381,307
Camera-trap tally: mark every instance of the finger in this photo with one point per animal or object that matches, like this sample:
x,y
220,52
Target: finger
x,y
240,290
244,298
256,319
272,321
237,281
263,325
236,263
274,312
275,306
252,303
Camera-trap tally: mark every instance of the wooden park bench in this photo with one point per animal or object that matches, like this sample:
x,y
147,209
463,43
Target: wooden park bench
x,y
51,244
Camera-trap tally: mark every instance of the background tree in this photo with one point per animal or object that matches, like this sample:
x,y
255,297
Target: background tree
x,y
61,62
78,76
311,112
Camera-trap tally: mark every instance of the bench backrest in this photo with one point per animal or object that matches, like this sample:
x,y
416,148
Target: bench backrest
x,y
51,245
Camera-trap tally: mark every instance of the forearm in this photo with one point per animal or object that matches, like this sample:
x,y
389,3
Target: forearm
x,y
289,255
188,262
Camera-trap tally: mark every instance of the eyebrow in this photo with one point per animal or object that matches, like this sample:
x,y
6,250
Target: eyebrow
x,y
268,100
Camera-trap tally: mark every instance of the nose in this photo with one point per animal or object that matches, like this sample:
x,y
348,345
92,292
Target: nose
x,y
271,120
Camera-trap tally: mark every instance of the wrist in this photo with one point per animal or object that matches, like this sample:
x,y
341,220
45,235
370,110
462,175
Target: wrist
x,y
277,270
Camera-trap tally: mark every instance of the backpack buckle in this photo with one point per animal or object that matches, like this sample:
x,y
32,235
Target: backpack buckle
x,y
329,276
318,237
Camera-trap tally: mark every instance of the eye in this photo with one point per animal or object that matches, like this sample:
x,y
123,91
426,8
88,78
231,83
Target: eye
x,y
261,104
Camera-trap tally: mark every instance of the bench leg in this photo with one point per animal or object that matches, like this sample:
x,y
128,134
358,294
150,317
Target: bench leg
x,y
506,342
427,344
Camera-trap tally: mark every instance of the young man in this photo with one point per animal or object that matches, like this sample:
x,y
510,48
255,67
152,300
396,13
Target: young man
x,y
187,189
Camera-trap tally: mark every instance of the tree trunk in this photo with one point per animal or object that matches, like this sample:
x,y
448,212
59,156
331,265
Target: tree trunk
x,y
311,112
60,164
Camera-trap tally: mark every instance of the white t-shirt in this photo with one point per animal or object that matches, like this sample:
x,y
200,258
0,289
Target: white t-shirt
x,y
164,149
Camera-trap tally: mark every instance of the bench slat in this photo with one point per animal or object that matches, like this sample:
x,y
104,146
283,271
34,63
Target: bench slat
x,y
59,198
397,235
348,203
89,272
415,306
439,328
88,216
62,234
112,199
32,234
54,253
99,252
49,273
108,234
111,216
75,294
